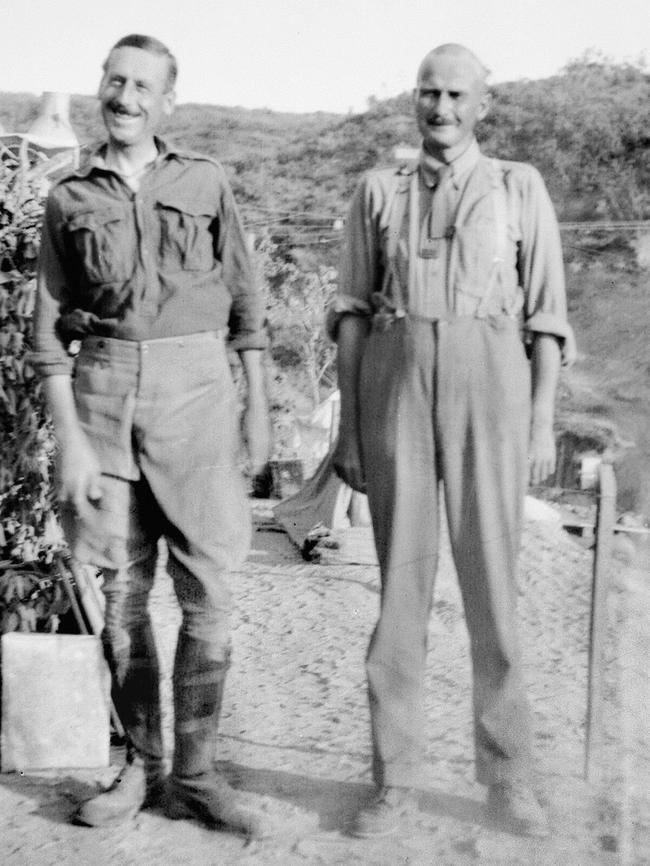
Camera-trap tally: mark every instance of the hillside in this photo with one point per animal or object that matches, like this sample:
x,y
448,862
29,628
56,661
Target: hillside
x,y
606,395
587,130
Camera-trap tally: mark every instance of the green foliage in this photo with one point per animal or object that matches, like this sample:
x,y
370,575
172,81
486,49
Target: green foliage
x,y
32,598
296,303
301,369
28,529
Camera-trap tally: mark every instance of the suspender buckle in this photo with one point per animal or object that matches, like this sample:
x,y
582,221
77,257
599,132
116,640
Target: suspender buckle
x,y
385,313
432,248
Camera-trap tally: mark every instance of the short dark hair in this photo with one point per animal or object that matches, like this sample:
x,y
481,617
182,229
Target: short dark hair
x,y
153,46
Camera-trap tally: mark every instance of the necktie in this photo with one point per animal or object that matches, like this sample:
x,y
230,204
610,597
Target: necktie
x,y
438,229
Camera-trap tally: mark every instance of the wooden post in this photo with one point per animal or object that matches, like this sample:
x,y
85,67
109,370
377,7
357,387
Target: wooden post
x,y
605,520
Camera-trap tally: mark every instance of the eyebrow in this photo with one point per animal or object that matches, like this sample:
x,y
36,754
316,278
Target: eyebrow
x,y
432,88
122,77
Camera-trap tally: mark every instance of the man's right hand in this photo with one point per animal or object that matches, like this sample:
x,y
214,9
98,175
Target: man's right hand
x,y
79,474
346,460
347,453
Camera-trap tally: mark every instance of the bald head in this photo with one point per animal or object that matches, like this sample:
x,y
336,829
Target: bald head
x,y
453,54
451,96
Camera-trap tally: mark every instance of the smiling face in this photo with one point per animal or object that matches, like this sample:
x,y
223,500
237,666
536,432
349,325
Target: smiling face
x,y
135,96
450,98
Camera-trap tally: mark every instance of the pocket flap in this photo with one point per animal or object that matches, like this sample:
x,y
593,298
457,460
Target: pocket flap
x,y
195,205
92,220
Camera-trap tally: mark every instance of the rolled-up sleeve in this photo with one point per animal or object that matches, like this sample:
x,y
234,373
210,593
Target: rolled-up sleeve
x,y
541,267
246,319
49,356
360,264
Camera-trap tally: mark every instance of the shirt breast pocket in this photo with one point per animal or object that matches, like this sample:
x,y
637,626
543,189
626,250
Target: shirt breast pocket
x,y
186,242
101,241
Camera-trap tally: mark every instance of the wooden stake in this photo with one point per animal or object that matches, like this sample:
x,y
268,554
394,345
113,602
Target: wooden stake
x,y
605,520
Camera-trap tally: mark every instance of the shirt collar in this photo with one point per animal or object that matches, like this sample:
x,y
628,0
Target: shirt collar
x,y
96,157
429,166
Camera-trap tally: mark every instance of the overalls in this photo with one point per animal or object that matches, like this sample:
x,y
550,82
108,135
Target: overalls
x,y
448,401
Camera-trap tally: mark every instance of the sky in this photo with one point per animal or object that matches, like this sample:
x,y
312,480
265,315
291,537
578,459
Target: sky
x,y
309,55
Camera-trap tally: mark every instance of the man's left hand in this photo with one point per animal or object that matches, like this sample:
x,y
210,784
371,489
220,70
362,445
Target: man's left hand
x,y
257,434
256,428
545,372
541,454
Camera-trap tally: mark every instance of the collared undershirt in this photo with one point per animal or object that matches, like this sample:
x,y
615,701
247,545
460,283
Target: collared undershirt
x,y
430,295
532,276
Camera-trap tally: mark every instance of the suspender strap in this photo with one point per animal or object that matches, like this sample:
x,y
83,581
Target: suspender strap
x,y
396,208
414,231
407,190
500,213
500,204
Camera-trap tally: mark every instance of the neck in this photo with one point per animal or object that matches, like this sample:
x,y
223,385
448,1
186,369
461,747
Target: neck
x,y
447,154
128,160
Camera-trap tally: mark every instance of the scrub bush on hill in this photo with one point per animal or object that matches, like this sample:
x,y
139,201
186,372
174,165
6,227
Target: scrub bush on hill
x,y
586,130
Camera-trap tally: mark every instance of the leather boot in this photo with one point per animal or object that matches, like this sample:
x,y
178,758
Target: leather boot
x,y
195,789
390,809
199,684
134,788
515,807
211,799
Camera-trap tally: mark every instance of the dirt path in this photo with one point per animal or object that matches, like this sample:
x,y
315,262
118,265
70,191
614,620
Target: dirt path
x,y
295,727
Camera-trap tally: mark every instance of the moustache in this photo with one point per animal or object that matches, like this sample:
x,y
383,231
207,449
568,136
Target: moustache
x,y
115,105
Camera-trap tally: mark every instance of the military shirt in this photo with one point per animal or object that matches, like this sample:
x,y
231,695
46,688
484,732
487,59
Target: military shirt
x,y
168,260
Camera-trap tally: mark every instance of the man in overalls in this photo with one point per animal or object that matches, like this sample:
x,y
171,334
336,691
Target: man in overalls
x,y
144,262
444,265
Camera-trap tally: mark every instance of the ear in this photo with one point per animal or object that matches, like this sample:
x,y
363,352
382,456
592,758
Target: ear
x,y
485,105
169,102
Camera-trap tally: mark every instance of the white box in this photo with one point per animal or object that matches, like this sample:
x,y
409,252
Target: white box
x,y
55,702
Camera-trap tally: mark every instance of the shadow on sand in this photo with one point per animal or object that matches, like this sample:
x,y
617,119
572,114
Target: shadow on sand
x,y
336,802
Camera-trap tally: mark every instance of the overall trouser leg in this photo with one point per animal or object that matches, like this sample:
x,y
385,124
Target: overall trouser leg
x,y
396,393
483,412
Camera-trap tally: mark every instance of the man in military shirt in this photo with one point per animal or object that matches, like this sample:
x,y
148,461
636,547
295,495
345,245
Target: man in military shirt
x,y
144,261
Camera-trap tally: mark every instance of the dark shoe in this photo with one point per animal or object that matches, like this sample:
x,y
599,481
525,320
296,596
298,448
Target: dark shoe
x,y
131,791
515,806
210,798
384,814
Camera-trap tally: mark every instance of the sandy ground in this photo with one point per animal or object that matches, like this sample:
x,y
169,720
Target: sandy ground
x,y
295,726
